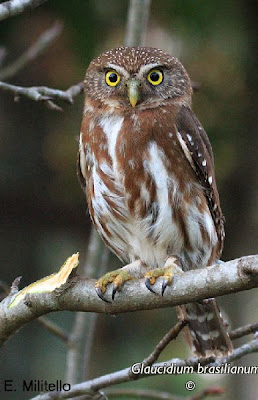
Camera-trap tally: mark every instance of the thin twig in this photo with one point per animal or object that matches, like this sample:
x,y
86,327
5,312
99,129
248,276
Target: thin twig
x,y
54,329
243,331
44,94
42,43
171,335
247,348
94,385
13,7
15,286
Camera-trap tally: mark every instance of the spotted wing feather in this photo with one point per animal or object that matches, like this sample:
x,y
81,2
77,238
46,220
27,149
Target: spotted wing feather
x,y
199,153
79,173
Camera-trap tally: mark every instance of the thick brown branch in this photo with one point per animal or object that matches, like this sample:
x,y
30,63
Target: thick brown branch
x,y
80,295
13,7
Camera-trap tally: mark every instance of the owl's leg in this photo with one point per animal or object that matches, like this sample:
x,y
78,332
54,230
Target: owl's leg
x,y
170,269
118,277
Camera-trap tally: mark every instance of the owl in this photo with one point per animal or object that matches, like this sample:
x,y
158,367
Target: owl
x,y
146,166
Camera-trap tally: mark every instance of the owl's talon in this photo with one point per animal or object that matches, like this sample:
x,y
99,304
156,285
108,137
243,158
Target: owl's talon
x,y
116,279
149,285
100,295
114,290
166,273
165,283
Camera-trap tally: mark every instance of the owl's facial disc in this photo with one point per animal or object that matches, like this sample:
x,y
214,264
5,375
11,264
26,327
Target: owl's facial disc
x,y
133,86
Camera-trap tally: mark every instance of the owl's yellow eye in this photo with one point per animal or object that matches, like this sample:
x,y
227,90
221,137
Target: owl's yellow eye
x,y
155,77
112,78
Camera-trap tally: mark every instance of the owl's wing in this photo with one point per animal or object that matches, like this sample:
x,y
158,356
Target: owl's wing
x,y
79,173
197,149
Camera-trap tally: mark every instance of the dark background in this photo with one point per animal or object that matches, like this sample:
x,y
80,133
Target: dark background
x,y
43,212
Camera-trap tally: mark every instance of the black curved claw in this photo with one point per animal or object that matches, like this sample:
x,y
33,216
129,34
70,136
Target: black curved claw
x,y
164,285
149,286
114,290
100,294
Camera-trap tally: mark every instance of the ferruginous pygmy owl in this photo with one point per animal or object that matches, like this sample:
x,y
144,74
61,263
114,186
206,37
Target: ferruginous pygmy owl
x,y
147,168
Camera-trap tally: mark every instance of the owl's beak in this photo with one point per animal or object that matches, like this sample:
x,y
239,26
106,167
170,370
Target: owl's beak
x,y
133,91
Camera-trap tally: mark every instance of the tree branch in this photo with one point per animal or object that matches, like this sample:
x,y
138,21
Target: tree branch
x,y
80,295
44,94
138,14
54,329
125,375
82,333
37,48
243,331
171,335
13,7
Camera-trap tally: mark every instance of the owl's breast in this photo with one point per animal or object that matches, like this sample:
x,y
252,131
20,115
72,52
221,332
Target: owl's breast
x,y
139,187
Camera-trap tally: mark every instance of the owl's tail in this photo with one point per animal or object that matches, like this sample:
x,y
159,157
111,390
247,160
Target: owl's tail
x,y
206,332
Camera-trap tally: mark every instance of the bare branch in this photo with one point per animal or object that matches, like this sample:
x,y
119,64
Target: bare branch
x,y
54,329
138,14
13,7
171,335
125,375
44,94
247,348
80,294
15,286
82,333
243,331
41,44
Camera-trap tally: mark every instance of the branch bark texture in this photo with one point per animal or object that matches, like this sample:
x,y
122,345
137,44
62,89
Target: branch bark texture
x,y
79,294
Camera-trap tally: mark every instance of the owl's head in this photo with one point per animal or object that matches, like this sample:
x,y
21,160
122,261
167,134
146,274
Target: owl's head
x,y
137,77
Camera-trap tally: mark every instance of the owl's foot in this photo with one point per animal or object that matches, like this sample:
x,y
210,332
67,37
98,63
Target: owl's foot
x,y
167,272
117,278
